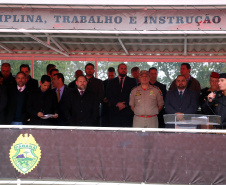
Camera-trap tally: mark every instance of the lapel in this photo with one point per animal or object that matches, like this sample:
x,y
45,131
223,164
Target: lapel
x,y
177,96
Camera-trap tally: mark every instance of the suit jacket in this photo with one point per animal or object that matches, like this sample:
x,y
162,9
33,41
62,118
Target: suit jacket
x,y
3,103
188,104
32,84
218,107
124,117
82,110
10,81
114,93
12,104
95,85
72,84
62,105
162,87
42,102
193,84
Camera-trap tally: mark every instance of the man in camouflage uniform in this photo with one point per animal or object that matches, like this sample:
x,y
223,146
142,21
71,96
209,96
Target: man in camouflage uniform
x,y
146,102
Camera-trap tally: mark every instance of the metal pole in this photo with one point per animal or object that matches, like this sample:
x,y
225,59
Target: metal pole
x,y
32,66
96,67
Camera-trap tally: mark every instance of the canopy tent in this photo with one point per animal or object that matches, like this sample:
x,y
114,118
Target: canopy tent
x,y
124,32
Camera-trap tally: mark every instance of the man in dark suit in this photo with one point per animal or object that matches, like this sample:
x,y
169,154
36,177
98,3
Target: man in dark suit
x,y
94,85
181,100
17,99
105,108
77,73
162,87
31,83
43,102
8,78
3,103
118,92
192,83
62,92
82,107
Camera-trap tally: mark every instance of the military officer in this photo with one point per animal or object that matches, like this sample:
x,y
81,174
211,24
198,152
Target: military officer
x,y
216,101
146,101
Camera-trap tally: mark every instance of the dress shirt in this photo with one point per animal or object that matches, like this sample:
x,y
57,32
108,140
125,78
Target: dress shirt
x,y
61,91
22,88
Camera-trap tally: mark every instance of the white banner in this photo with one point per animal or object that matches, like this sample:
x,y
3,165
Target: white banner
x,y
122,20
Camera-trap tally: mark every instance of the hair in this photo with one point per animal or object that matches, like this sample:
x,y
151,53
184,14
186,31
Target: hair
x,y
80,76
6,65
152,68
21,73
25,65
187,65
49,67
135,69
121,64
89,64
180,76
53,70
60,75
1,76
45,78
111,69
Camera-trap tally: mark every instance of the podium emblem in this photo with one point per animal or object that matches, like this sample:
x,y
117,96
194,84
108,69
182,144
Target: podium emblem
x,y
25,153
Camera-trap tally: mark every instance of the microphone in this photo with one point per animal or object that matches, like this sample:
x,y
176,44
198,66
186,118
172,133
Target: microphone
x,y
215,92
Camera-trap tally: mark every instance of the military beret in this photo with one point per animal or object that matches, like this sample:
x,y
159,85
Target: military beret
x,y
214,75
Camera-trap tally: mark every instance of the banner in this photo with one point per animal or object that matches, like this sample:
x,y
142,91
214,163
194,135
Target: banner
x,y
124,20
120,156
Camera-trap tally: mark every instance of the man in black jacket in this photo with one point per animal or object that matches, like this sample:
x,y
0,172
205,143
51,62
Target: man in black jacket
x,y
216,101
17,99
62,92
118,92
31,83
8,78
42,104
3,103
162,88
82,107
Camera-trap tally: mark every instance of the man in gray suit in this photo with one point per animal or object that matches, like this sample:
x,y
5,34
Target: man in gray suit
x,y
181,100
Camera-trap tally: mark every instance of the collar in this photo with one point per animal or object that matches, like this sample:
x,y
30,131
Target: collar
x,y
61,89
22,88
180,91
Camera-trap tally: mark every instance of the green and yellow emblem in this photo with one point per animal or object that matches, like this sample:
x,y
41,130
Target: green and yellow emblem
x,y
25,153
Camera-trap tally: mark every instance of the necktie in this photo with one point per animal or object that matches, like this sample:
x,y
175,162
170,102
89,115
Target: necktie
x,y
181,94
81,93
20,89
58,95
121,83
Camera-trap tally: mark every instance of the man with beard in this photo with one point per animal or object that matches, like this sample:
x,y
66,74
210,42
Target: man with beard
x,y
181,100
118,92
192,83
82,108
17,99
31,83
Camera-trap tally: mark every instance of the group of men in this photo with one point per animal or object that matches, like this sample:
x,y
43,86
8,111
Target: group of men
x,y
120,101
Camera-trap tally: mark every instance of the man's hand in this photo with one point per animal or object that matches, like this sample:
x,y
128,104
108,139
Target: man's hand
x,y
40,114
211,96
55,116
180,116
121,105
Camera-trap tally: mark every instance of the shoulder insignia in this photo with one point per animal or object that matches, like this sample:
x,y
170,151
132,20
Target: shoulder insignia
x,y
25,153
158,89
